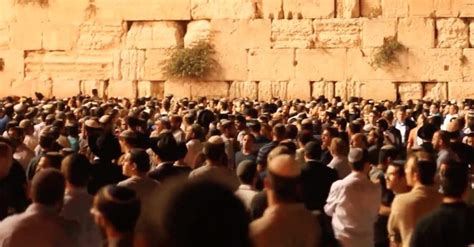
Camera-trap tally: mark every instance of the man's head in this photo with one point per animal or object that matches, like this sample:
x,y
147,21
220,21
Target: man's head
x,y
214,149
283,179
246,172
328,134
47,188
454,179
312,151
387,154
279,132
248,141
76,170
137,161
116,208
359,160
420,168
359,140
395,177
401,114
194,131
440,140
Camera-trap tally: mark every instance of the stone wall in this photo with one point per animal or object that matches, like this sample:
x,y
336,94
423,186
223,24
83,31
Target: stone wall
x,y
265,48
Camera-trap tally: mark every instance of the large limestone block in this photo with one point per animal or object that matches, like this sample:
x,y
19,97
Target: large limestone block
x,y
245,34
271,64
410,29
180,88
348,8
44,86
153,66
308,9
17,88
143,10
272,9
197,31
154,35
231,64
436,64
209,89
468,64
462,8
7,13
298,89
435,90
370,8
410,90
431,8
452,33
60,36
394,8
26,35
123,89
96,36
243,89
272,89
375,31
377,90
321,64
325,88
65,88
361,68
4,36
336,33
30,13
86,87
292,34
151,89
229,9
131,64
61,65
13,66
461,89
72,11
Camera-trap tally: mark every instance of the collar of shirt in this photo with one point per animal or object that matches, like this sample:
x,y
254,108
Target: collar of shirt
x,y
245,187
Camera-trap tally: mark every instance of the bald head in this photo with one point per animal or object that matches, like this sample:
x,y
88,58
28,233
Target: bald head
x,y
284,165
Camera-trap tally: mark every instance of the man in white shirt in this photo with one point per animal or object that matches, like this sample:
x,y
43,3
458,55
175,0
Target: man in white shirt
x,y
453,113
193,143
353,203
31,141
246,172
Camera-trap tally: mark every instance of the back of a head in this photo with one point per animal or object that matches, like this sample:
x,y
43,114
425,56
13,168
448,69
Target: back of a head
x,y
48,187
141,159
76,169
387,153
339,147
214,149
284,178
425,166
119,206
312,150
358,158
204,213
454,179
246,171
279,131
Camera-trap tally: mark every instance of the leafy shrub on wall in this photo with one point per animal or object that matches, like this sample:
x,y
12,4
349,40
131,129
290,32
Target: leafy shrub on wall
x,y
194,62
387,54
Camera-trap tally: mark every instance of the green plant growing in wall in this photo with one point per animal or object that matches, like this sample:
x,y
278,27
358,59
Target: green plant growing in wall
x,y
42,3
194,62
387,54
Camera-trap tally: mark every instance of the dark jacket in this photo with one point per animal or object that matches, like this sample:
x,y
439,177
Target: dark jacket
x,y
316,180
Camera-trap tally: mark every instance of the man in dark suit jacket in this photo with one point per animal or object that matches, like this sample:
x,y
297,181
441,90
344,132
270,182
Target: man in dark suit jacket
x,y
316,178
166,148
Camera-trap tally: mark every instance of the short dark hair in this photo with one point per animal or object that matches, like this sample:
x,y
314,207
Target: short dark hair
x,y
333,132
305,136
286,188
360,164
76,169
214,151
48,187
426,168
312,150
454,179
246,171
291,131
400,168
387,152
120,206
279,131
141,159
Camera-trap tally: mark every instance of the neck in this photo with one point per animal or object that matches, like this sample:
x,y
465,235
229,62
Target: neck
x,y
213,163
401,189
449,200
113,234
139,175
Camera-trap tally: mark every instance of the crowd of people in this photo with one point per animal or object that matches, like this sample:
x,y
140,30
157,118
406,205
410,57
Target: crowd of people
x,y
88,171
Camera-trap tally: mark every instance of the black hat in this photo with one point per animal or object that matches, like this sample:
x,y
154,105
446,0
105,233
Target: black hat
x,y
426,132
165,146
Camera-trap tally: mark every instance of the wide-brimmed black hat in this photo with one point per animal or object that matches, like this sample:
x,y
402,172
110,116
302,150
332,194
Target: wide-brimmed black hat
x,y
165,146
